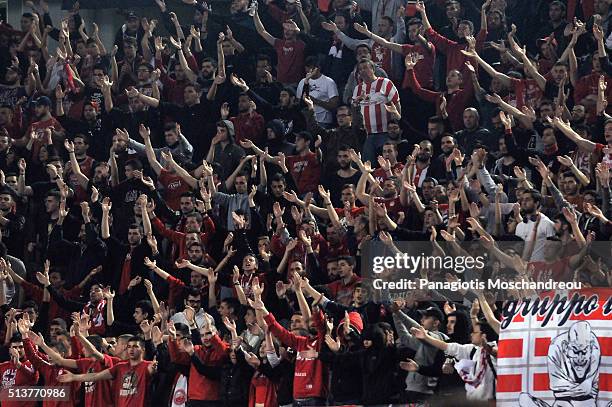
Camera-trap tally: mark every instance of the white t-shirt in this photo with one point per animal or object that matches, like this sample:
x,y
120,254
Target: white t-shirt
x,y
545,229
323,88
200,318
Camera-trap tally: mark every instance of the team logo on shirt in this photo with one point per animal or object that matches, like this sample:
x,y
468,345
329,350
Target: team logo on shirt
x,y
90,386
8,378
129,384
180,397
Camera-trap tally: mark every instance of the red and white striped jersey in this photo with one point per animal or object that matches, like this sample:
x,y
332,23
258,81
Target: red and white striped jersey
x,y
375,95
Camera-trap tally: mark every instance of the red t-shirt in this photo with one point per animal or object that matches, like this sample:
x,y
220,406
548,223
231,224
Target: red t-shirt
x,y
97,393
174,187
131,383
525,90
290,55
39,129
10,376
306,171
424,69
393,205
356,211
381,176
543,271
606,158
342,293
50,374
588,84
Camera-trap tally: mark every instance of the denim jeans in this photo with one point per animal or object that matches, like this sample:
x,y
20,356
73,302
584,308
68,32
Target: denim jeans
x,y
372,144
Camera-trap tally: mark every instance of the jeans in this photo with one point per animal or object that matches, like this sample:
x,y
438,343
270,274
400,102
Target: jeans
x,y
312,401
372,144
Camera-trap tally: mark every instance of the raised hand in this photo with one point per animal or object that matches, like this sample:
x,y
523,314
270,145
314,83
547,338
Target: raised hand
x,y
418,332
329,26
409,365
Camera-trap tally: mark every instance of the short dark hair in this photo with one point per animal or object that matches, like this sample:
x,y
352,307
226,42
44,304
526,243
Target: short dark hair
x,y
264,57
211,60
349,259
414,21
85,137
195,86
559,4
16,337
435,120
363,46
134,163
468,23
31,304
196,215
278,177
486,329
135,338
535,194
146,307
100,67
96,341
313,61
170,126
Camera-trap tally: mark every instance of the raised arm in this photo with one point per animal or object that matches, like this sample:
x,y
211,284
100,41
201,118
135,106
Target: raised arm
x,y
262,31
567,130
363,29
74,164
180,171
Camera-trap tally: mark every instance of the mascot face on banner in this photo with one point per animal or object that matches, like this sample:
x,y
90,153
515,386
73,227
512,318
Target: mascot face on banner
x,y
578,348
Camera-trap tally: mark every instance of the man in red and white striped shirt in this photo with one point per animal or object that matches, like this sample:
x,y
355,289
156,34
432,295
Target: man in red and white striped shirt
x,y
373,95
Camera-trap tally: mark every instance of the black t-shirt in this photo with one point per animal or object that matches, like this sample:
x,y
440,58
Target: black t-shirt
x,y
334,183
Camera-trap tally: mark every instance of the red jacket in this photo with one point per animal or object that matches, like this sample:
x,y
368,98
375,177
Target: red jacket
x,y
201,387
311,374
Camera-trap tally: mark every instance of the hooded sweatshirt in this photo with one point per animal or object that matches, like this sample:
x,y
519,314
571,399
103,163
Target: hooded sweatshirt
x,y
425,354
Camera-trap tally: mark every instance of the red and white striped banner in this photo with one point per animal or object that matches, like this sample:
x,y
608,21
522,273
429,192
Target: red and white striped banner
x,y
566,360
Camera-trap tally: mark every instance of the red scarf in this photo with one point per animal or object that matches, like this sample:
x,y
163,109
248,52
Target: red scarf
x,y
126,273
96,316
477,380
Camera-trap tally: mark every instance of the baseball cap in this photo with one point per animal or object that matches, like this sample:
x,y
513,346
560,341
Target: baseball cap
x,y
43,101
131,16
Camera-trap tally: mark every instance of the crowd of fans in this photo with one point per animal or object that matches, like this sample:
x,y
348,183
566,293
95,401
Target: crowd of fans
x,y
183,212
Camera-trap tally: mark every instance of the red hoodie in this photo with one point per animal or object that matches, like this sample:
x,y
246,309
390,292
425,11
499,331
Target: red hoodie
x,y
311,374
200,387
